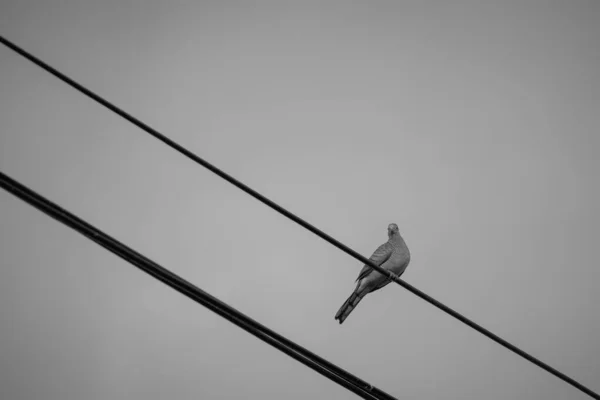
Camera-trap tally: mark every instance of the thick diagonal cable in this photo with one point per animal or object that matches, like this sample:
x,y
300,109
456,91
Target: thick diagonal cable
x,y
297,219
311,360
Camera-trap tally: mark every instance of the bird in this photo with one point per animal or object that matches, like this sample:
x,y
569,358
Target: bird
x,y
393,256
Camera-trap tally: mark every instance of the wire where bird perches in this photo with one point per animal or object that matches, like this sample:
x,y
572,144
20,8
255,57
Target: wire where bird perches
x,y
294,350
169,142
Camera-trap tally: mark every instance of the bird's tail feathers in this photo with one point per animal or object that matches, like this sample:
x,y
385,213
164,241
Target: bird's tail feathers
x,y
348,306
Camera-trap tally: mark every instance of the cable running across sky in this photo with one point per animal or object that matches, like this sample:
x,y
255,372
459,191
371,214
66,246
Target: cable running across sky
x,y
311,360
297,219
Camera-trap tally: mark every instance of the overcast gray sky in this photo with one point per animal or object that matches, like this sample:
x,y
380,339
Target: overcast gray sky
x,y
473,125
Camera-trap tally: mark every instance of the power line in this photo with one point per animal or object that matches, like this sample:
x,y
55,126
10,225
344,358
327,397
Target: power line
x,y
311,360
297,219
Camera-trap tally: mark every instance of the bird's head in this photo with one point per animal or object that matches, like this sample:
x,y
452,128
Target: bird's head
x,y
393,230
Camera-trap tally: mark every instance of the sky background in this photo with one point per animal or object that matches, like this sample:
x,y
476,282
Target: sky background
x,y
473,125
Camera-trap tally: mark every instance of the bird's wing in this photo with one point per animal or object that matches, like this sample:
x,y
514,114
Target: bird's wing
x,y
384,283
380,256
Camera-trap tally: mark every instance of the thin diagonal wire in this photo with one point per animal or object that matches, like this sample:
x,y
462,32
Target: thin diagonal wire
x,y
298,220
311,360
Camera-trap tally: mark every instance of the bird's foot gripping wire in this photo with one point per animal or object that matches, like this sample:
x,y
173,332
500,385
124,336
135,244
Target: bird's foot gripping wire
x,y
393,277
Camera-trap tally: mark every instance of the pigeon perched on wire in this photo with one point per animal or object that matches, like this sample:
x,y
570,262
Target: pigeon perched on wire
x,y
392,256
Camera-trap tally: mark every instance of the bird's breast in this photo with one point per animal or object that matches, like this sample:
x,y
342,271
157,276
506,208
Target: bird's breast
x,y
400,254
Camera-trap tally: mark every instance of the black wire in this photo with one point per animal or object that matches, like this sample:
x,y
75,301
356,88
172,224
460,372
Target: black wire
x,y
325,368
297,219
